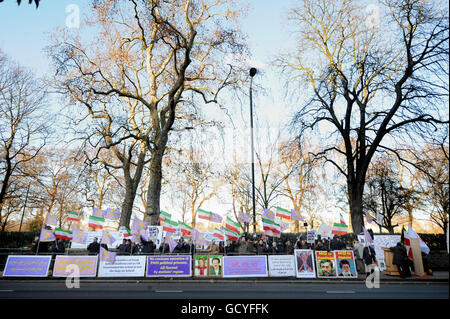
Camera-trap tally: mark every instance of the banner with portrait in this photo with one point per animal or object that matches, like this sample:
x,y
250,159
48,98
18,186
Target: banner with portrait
x,y
345,264
304,263
325,264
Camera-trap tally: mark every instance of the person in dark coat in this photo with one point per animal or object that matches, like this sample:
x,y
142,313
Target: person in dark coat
x,y
94,247
123,248
369,257
261,247
148,246
273,249
280,248
59,247
401,260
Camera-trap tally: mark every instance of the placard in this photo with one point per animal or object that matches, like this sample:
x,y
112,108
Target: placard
x,y
118,236
281,266
169,266
326,264
215,266
124,266
311,236
245,266
87,265
200,266
345,263
155,234
304,263
27,266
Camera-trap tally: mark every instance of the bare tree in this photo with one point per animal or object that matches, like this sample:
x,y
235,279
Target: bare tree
x,y
371,84
23,125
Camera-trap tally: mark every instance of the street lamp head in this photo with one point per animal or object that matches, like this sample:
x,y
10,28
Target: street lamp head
x,y
252,72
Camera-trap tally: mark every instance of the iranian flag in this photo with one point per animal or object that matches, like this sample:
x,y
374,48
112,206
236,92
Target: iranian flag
x,y
342,221
170,225
339,228
218,234
96,222
73,216
283,213
271,227
233,226
63,234
203,214
231,235
185,229
163,215
125,231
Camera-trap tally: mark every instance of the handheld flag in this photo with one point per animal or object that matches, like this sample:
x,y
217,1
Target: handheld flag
x,y
79,236
52,220
96,212
46,235
185,229
107,256
170,225
296,215
232,225
63,234
96,222
112,214
107,238
203,214
73,216
172,242
283,213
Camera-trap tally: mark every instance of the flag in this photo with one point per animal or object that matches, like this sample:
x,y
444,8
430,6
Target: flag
x,y
339,228
367,236
196,234
368,217
342,221
46,235
271,227
172,242
423,247
296,215
63,234
244,218
51,220
73,216
185,229
112,214
163,215
218,234
107,238
380,218
203,214
79,236
169,225
324,230
125,231
96,222
96,212
268,214
283,213
283,225
232,225
138,226
107,256
215,218
231,235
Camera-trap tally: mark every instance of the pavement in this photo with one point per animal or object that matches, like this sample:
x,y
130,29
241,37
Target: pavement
x,y
437,277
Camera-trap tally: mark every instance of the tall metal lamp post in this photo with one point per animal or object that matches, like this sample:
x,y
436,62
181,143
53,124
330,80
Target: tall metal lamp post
x,y
252,74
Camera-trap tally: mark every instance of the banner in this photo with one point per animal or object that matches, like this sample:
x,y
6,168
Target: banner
x,y
245,266
304,263
345,263
200,266
169,266
326,264
27,266
281,266
124,266
86,264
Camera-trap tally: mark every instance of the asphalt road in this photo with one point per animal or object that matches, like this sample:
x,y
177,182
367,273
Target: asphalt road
x,y
220,290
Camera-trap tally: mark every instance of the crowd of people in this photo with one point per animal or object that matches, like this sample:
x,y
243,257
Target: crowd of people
x,y
365,255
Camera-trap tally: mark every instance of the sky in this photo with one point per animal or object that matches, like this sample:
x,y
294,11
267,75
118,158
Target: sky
x,y
24,32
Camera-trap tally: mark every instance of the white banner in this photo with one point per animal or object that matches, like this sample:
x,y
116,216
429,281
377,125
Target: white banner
x,y
281,266
124,266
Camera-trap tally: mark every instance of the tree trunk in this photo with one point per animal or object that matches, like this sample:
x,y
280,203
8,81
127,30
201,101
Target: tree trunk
x,y
154,188
356,208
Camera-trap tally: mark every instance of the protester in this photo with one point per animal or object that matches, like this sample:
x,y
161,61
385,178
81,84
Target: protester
x,y
261,247
43,246
123,248
230,248
58,247
148,246
242,246
221,248
280,248
358,250
320,246
273,249
289,249
214,249
251,249
369,257
94,247
401,260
